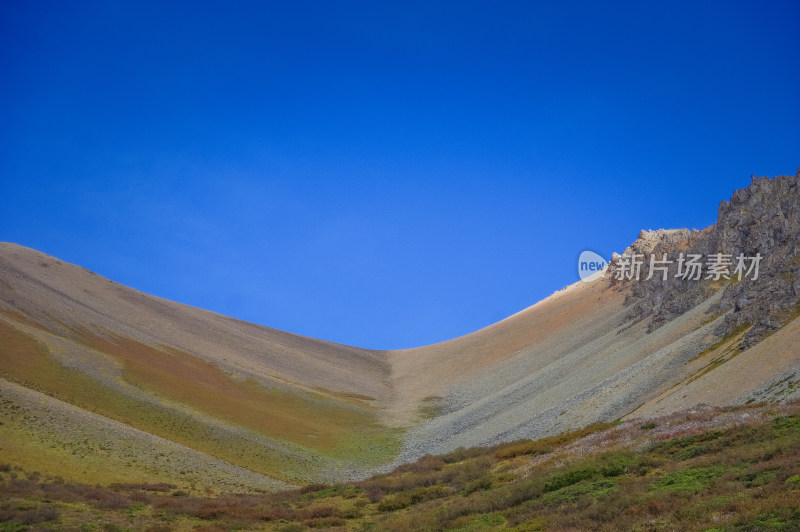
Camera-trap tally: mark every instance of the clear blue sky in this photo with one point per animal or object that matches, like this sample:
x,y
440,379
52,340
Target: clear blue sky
x,y
381,174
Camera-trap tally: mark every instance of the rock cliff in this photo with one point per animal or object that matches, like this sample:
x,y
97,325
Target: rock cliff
x,y
752,254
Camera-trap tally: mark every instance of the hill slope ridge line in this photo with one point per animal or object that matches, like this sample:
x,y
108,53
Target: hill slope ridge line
x,y
613,348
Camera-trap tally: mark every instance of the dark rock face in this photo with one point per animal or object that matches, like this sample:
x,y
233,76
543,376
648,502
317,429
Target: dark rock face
x,y
760,220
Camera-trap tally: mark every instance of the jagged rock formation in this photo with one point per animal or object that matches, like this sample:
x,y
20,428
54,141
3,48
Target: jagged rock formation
x,y
762,219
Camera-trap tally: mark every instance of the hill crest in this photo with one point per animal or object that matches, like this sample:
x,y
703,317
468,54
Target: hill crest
x,y
297,409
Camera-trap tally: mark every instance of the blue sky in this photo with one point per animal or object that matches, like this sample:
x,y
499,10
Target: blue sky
x,y
381,174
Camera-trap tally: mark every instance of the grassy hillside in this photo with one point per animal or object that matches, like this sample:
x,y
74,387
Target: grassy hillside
x,y
291,437
703,469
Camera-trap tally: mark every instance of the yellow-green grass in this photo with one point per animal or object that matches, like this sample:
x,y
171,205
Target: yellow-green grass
x,y
37,451
46,436
28,362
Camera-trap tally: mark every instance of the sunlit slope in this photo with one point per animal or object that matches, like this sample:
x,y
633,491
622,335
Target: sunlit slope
x,y
293,408
575,358
624,346
559,364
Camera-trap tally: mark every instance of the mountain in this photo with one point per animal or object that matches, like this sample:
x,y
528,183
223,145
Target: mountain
x,y
277,404
101,382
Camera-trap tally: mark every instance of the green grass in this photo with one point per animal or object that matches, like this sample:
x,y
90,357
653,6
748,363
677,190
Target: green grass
x,y
689,480
592,489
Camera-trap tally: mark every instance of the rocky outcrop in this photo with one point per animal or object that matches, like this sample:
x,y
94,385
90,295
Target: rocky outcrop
x,y
757,231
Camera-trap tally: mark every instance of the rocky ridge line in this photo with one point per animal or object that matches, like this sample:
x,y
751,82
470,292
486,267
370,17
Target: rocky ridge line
x,y
764,219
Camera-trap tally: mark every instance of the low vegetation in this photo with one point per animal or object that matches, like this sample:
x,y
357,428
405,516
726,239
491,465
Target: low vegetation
x,y
193,402
706,469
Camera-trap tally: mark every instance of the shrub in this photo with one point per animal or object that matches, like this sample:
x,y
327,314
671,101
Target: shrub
x,y
395,502
425,464
208,510
523,447
143,486
292,527
568,479
326,522
317,512
108,500
688,480
353,512
479,484
39,515
461,454
374,493
313,487
159,528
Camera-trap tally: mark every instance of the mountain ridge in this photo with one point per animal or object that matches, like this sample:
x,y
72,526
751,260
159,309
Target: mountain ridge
x,y
299,410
